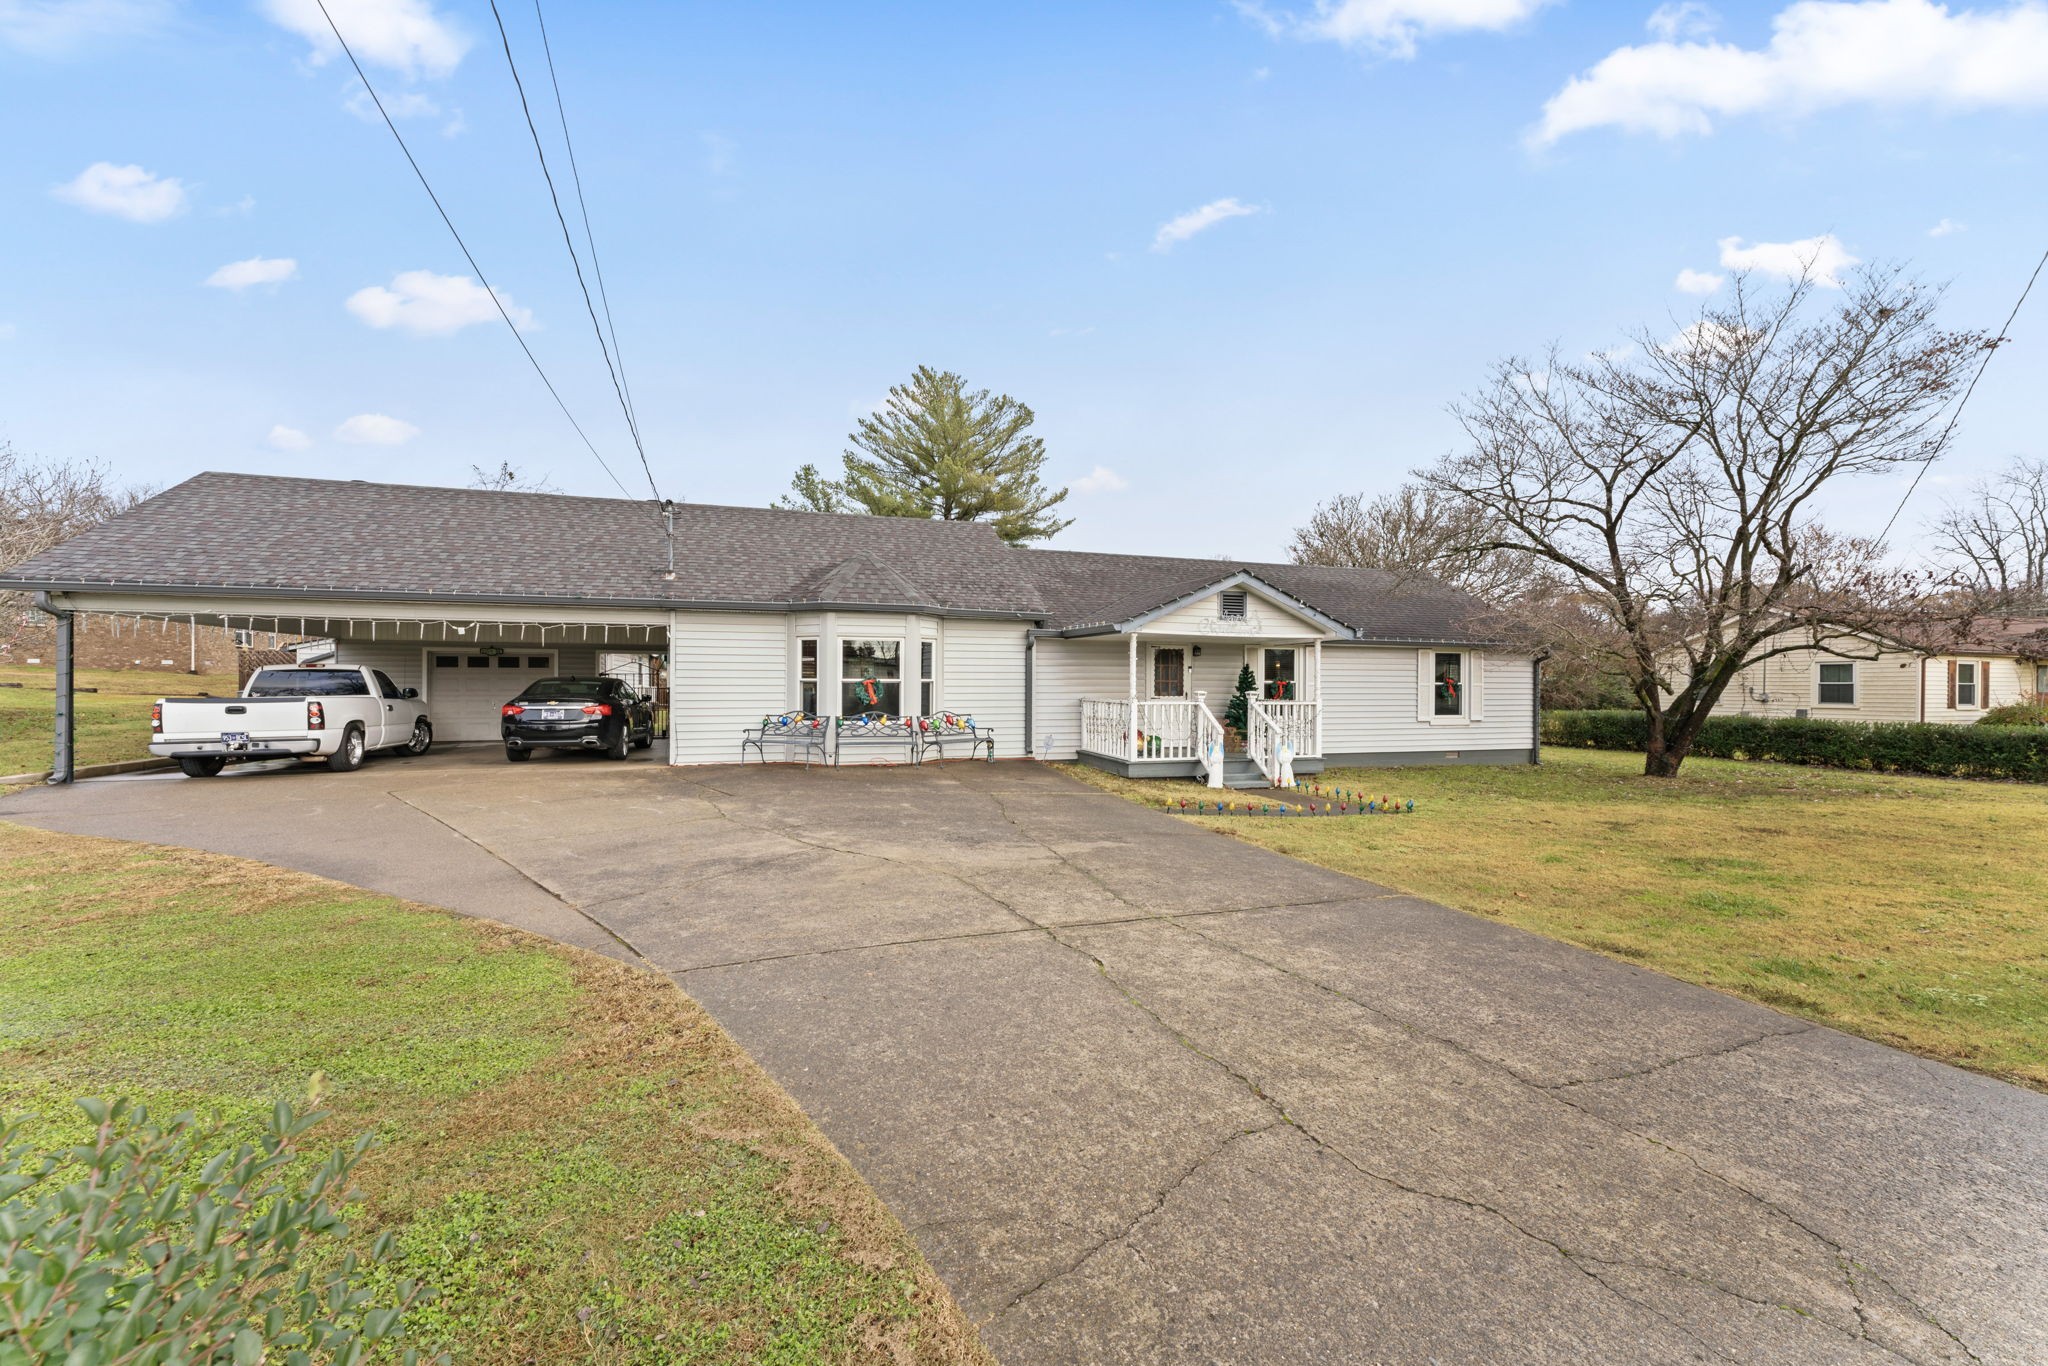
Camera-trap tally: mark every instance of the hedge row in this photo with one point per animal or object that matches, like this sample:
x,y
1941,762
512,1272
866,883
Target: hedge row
x,y
1887,747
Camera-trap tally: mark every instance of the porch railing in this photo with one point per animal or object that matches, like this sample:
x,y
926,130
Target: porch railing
x,y
1163,728
1270,725
1208,742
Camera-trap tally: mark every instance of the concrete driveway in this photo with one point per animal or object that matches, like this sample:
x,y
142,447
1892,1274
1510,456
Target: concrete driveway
x,y
1145,1094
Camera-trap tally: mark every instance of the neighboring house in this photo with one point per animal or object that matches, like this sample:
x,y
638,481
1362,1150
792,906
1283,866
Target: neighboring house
x,y
1871,677
1120,660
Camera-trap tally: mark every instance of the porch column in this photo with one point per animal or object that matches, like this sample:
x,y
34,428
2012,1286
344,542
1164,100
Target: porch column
x,y
63,759
1318,652
1131,716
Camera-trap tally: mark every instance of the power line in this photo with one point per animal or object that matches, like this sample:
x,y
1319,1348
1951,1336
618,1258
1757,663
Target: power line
x,y
1990,349
589,237
466,254
570,242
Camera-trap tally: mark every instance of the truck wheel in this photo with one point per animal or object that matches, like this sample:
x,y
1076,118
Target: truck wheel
x,y
517,756
349,757
201,766
422,738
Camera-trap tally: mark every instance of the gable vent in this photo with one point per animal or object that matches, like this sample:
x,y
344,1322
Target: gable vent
x,y
1232,602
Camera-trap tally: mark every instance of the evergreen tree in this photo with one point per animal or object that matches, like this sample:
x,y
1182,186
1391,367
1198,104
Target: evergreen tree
x,y
935,449
1237,713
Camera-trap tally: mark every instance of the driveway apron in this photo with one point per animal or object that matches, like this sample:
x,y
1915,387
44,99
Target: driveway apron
x,y
1147,1094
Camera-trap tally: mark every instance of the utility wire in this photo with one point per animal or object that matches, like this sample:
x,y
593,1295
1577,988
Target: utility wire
x,y
589,237
569,241
1990,349
428,187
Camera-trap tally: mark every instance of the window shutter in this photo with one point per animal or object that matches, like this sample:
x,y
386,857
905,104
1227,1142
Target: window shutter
x,y
1951,685
1475,686
1425,662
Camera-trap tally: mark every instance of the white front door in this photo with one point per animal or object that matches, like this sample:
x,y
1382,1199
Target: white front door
x,y
466,687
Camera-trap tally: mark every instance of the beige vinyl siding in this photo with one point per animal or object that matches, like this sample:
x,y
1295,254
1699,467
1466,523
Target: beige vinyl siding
x,y
1263,617
1370,704
1064,672
980,671
2002,680
1789,683
727,670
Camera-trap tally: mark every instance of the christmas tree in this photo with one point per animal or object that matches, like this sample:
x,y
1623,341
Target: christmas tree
x,y
1237,714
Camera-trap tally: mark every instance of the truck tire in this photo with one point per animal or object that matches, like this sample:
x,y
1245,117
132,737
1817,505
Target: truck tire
x,y
201,766
422,739
349,757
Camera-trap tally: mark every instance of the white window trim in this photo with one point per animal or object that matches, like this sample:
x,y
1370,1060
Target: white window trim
x,y
1855,682
1473,704
817,680
904,664
1976,668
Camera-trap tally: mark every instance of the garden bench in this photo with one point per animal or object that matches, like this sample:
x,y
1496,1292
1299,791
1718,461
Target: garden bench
x,y
949,728
874,728
790,732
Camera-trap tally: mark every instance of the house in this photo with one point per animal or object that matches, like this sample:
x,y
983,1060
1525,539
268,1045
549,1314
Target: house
x,y
1939,677
1122,661
153,642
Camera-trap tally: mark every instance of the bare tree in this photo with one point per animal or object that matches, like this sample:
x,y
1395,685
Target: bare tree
x,y
509,478
45,502
1997,537
1414,531
1672,486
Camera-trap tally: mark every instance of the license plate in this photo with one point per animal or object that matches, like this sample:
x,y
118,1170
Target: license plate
x,y
554,714
235,739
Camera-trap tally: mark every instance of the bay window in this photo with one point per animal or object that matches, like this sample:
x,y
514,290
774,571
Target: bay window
x,y
870,677
807,676
925,651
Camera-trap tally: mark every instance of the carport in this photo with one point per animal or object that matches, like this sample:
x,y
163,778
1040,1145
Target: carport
x,y
466,658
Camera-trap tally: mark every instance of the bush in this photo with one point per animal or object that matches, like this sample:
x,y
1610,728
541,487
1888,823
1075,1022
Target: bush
x,y
137,1246
2028,711
1886,747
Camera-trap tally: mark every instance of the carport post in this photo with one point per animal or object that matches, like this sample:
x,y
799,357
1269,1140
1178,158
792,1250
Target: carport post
x,y
62,759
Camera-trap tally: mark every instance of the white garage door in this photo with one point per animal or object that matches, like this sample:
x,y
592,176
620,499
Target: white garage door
x,y
465,688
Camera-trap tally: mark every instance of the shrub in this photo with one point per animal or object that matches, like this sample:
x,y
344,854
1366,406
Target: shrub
x,y
1887,747
139,1247
2028,711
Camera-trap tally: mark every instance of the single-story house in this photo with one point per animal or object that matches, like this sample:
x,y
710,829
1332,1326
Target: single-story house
x,y
1123,661
1939,676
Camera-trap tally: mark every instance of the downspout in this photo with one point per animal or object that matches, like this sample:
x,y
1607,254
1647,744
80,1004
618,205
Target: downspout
x,y
1030,687
63,756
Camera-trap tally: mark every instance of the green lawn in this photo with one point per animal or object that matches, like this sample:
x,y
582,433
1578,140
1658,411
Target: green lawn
x,y
582,1162
110,725
1909,910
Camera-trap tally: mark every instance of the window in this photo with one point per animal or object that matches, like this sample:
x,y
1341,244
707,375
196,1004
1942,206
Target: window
x,y
2041,680
538,662
1966,683
1449,684
925,652
1281,684
1169,672
447,661
1231,602
807,677
308,683
1837,685
509,661
870,676
476,662
384,683
245,640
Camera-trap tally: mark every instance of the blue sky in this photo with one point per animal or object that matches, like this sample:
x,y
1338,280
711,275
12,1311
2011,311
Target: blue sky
x,y
795,205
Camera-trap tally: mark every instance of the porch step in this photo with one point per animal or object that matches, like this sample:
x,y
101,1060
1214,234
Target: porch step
x,y
1241,772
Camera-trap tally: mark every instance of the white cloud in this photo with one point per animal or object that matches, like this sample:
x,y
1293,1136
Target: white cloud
x,y
1822,54
125,191
257,270
283,438
1820,259
53,28
1678,19
1177,230
404,35
1692,281
1947,227
433,305
1389,28
1708,335
375,429
1101,479
403,104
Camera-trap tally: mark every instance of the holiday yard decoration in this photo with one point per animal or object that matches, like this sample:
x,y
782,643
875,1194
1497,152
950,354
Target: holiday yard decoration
x,y
1315,801
1237,713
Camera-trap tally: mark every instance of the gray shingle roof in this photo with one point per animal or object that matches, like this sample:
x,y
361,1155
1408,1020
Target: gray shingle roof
x,y
279,535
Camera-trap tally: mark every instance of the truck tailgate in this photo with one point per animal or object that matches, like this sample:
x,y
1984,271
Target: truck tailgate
x,y
208,718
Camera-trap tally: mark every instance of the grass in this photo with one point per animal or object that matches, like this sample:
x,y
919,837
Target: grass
x,y
1906,909
585,1166
109,726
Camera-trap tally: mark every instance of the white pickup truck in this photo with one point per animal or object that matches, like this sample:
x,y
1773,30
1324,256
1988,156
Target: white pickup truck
x,y
339,714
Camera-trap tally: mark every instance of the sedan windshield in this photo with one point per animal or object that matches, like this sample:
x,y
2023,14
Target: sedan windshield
x,y
565,690
308,683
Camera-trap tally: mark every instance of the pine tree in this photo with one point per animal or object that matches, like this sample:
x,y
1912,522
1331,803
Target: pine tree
x,y
1237,713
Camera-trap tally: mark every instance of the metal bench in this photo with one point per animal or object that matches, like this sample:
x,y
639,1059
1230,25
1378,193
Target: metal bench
x,y
789,732
875,728
953,729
